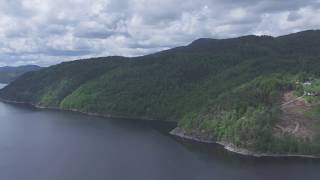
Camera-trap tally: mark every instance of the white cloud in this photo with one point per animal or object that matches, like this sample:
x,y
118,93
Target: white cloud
x,y
46,32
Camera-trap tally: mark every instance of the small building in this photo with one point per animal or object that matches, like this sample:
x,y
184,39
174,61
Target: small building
x,y
313,93
310,94
307,83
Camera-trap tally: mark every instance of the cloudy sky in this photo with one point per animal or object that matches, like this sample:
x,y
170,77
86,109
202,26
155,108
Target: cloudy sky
x,y
47,32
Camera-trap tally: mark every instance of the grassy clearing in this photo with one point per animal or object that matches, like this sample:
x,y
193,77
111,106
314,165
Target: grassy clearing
x,y
314,112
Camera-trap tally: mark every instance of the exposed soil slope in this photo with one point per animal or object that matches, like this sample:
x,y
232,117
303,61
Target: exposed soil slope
x,y
293,120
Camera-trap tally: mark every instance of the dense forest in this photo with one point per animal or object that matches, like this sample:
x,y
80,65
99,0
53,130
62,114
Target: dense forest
x,y
227,89
9,74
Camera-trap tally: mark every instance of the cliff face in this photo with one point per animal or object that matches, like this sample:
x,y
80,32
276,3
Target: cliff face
x,y
228,89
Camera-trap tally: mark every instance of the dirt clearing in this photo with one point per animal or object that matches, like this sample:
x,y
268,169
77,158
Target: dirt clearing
x,y
293,120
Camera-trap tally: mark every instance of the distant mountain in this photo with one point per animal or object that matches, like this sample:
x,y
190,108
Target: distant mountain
x,y
235,91
9,74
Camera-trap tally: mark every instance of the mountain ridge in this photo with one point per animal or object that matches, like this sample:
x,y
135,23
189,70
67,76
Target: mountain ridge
x,y
228,90
10,73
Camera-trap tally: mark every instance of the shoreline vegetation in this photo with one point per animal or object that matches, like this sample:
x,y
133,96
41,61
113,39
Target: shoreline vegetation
x,y
177,132
79,111
229,89
180,133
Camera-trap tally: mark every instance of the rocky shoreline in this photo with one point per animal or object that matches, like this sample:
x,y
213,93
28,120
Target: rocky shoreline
x,y
178,132
231,147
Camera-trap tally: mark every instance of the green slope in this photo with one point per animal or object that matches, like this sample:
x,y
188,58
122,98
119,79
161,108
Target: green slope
x,y
9,74
229,89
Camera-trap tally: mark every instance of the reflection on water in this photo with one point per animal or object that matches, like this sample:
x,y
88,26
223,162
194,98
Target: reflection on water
x,y
2,85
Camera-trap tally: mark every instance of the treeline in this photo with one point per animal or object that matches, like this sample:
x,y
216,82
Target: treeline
x,y
9,74
246,117
228,88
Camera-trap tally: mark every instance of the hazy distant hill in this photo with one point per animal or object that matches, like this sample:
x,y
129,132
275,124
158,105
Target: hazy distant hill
x,y
228,90
8,74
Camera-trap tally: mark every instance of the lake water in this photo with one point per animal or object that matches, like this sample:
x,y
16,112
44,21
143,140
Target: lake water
x,y
53,145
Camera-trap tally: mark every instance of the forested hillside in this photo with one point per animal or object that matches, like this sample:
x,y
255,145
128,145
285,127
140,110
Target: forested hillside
x,y
229,90
9,74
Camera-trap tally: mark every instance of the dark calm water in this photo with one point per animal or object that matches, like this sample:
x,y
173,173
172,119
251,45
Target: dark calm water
x,y
51,145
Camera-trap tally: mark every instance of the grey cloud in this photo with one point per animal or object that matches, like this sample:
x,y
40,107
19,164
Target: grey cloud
x,y
16,9
94,34
55,29
47,32
16,34
59,52
293,16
